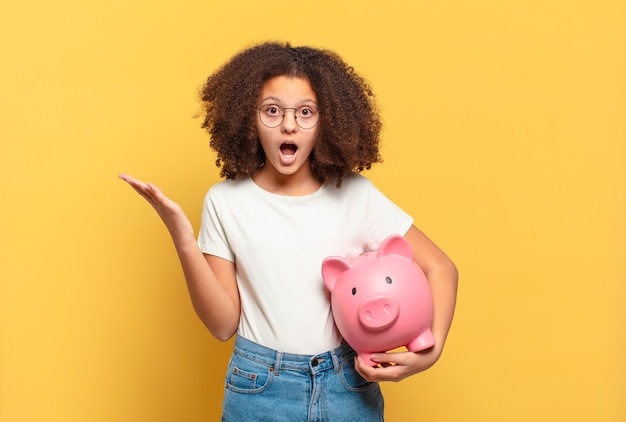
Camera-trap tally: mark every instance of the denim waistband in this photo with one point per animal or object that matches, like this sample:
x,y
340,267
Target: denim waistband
x,y
278,360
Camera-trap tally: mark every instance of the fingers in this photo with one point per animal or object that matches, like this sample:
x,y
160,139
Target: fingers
x,y
366,371
165,207
148,191
391,358
133,182
378,373
125,177
136,184
393,366
141,187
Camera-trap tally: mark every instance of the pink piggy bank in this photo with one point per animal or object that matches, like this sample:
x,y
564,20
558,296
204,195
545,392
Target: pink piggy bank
x,y
381,300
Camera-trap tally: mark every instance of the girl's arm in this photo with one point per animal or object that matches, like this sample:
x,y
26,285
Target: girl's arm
x,y
442,277
210,280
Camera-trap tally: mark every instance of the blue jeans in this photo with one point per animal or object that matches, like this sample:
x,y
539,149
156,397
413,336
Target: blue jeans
x,y
265,385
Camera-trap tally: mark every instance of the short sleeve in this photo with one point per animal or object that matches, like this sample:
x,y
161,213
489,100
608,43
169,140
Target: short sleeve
x,y
212,238
384,217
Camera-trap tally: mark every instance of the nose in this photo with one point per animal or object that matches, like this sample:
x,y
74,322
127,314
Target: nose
x,y
289,120
378,312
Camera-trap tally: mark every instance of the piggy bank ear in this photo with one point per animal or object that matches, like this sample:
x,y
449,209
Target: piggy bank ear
x,y
395,244
332,267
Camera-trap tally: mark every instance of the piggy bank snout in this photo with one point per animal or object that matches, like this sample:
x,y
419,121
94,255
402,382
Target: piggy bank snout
x,y
378,312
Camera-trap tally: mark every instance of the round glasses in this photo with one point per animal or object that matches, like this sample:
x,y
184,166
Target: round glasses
x,y
272,115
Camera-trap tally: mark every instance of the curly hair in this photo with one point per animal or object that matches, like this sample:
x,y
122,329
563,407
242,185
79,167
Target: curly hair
x,y
349,121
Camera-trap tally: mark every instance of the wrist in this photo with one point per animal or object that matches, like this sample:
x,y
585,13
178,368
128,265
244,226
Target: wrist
x,y
180,230
184,241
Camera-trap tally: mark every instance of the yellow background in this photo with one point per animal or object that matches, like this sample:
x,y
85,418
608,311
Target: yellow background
x,y
505,138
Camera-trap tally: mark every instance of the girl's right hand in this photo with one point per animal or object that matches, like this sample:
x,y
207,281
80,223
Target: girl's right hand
x,y
170,212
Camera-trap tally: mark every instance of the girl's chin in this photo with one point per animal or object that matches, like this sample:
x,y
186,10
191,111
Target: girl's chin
x,y
285,169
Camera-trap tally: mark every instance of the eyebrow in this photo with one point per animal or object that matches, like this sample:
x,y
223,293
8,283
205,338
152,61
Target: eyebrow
x,y
279,101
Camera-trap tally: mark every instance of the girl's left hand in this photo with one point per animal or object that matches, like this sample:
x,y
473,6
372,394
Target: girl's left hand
x,y
396,366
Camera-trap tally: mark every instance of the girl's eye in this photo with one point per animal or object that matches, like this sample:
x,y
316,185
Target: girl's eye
x,y
272,110
306,112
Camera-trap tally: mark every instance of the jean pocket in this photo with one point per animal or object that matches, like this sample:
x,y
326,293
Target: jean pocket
x,y
247,376
352,380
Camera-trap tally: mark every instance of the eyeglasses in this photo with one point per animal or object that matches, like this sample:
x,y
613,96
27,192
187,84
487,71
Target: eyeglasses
x,y
272,115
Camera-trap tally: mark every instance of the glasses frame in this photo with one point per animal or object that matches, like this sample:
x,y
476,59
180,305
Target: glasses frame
x,y
295,115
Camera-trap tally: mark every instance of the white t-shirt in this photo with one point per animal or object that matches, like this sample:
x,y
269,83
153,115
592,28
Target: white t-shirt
x,y
278,244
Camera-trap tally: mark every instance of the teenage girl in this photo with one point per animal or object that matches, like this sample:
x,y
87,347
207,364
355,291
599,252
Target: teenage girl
x,y
293,128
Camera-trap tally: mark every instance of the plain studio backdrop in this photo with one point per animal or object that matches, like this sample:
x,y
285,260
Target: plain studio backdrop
x,y
504,136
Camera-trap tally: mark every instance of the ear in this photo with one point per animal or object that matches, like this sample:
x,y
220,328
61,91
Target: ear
x,y
332,267
395,244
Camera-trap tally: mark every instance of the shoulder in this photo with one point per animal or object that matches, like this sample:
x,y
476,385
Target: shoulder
x,y
229,187
227,192
355,182
355,188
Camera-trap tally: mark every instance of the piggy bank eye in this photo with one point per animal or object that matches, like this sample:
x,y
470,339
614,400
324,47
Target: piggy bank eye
x,y
353,291
388,280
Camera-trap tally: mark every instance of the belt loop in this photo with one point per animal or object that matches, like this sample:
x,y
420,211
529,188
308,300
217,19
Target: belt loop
x,y
336,365
278,363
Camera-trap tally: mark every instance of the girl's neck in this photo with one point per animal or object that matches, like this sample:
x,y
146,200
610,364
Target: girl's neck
x,y
299,184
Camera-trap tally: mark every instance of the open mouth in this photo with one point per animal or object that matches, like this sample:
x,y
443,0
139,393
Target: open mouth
x,y
288,150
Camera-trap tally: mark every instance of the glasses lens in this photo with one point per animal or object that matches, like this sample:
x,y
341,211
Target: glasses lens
x,y
272,115
307,116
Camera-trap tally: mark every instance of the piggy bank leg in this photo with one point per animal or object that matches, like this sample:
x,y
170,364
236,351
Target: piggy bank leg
x,y
422,342
366,359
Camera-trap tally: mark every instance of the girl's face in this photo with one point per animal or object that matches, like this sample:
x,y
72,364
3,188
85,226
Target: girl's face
x,y
287,146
